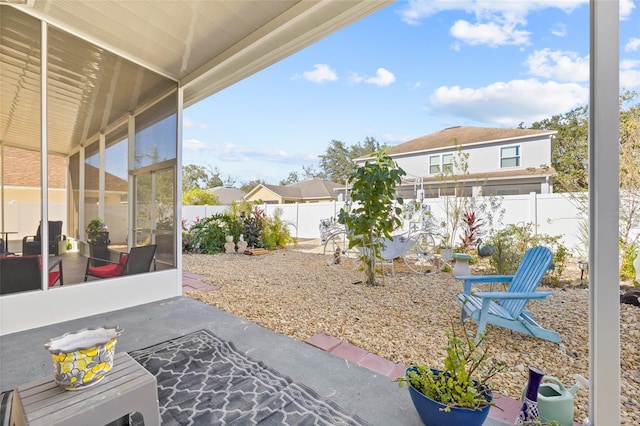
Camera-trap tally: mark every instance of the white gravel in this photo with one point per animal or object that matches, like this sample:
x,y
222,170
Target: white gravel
x,y
294,292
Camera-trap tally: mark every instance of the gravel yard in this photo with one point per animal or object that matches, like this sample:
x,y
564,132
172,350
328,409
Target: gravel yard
x,y
294,292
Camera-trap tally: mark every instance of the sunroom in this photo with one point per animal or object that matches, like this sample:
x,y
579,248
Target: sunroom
x,y
92,95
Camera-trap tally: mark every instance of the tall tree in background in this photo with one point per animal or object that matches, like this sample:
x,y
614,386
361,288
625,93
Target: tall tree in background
x,y
337,162
629,168
248,186
202,177
569,156
308,172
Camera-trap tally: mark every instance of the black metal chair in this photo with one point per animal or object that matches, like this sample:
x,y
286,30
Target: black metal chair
x,y
137,261
22,273
32,244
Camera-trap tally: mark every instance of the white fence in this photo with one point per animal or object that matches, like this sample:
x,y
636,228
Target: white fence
x,y
551,214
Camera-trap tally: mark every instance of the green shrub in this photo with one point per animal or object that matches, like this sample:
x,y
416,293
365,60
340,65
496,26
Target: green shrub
x,y
627,270
208,235
511,242
274,231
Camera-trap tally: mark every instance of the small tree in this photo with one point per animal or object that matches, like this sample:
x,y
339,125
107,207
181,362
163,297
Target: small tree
x,y
374,214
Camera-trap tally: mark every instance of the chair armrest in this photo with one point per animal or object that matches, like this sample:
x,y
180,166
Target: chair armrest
x,y
502,295
485,278
60,237
24,239
482,279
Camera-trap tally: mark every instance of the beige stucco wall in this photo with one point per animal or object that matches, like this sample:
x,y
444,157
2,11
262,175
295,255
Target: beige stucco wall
x,y
264,195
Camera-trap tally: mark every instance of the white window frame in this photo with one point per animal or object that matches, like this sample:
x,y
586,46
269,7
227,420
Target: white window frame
x,y
447,166
438,165
517,156
442,166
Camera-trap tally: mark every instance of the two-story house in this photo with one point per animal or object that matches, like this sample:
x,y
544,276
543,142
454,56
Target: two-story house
x,y
472,160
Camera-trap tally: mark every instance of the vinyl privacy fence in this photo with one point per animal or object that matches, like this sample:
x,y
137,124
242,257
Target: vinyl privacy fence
x,y
551,214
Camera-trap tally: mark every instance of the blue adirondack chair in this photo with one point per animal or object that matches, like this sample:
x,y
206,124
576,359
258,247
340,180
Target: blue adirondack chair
x,y
506,308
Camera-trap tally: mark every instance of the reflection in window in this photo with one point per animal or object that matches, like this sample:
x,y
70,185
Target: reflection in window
x,y
447,163
91,182
156,133
434,164
116,187
510,156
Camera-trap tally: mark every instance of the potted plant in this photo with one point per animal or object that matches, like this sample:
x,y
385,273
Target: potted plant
x,y
459,394
98,240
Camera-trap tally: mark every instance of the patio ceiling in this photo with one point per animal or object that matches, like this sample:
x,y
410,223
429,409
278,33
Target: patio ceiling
x,y
106,58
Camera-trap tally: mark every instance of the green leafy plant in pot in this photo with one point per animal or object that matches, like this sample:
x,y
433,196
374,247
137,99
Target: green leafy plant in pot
x,y
459,393
98,239
97,233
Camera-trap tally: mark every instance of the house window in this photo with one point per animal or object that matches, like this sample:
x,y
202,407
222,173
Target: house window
x,y
435,161
434,164
510,156
447,163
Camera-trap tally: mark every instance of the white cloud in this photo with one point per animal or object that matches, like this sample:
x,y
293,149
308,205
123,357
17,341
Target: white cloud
x,y
510,103
191,124
383,78
629,74
320,74
559,30
193,145
416,10
492,34
632,45
626,8
495,23
355,78
558,65
224,154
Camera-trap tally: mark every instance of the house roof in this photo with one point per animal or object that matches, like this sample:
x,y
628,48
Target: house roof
x,y
461,135
226,196
304,190
109,58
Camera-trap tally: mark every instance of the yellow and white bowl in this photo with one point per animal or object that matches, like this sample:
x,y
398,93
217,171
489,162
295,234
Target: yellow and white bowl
x,y
83,358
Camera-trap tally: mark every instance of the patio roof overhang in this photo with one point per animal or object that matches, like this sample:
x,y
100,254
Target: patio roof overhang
x,y
109,57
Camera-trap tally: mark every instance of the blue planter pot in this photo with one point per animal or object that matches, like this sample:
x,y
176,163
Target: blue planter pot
x,y
431,412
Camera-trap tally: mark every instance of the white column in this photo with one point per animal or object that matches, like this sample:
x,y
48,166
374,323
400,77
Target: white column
x,y
178,191
604,278
44,148
101,176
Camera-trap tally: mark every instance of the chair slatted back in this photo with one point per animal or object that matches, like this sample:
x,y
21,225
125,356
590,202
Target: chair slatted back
x,y
19,273
140,259
534,265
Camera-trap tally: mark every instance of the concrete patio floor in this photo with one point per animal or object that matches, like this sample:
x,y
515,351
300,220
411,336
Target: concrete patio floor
x,y
372,396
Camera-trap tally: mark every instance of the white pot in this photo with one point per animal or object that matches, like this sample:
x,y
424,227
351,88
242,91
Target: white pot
x,y
446,254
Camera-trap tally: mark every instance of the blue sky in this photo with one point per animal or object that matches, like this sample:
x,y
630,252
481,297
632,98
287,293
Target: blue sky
x,y
410,69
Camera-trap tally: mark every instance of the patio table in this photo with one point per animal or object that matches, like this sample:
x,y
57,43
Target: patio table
x,y
5,248
127,388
